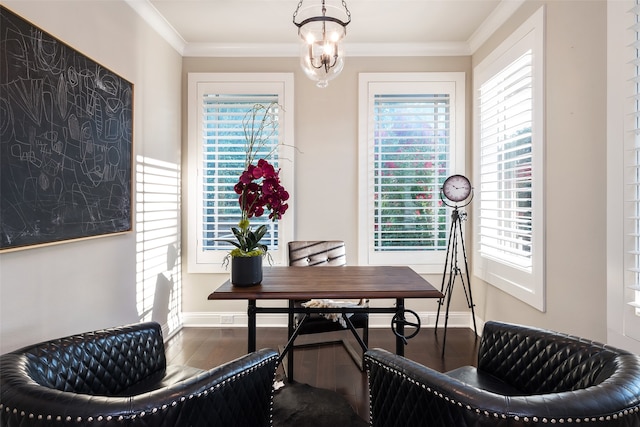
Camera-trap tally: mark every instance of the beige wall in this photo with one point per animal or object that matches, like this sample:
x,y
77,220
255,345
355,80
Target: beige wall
x,y
53,291
326,136
62,289
575,173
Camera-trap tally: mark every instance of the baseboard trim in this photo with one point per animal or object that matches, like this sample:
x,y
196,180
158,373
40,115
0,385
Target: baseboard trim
x,y
270,320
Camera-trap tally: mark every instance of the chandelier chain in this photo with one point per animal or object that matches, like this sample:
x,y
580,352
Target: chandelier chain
x,y
344,4
297,9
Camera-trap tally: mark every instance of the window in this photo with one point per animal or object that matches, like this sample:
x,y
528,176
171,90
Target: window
x,y
623,173
218,104
411,139
631,293
509,146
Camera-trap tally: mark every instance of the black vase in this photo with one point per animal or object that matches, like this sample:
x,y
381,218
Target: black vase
x,y
246,271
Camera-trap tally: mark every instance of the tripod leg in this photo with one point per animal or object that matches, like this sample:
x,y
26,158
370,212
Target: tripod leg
x,y
468,285
452,278
444,276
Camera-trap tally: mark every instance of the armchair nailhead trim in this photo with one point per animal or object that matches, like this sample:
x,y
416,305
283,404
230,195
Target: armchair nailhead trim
x,y
526,419
154,410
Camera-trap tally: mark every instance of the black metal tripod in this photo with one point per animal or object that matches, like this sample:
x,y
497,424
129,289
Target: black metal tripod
x,y
451,265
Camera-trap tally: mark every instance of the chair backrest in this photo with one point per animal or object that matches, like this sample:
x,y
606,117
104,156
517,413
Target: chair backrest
x,y
317,253
104,362
539,361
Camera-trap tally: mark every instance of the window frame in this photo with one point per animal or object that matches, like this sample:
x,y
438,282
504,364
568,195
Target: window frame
x,y
528,287
631,191
371,84
199,261
623,325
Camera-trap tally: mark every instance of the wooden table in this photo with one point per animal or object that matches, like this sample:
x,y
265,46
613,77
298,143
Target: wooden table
x,y
348,282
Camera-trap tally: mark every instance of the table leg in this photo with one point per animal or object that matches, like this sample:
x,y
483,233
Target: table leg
x,y
251,338
400,327
290,332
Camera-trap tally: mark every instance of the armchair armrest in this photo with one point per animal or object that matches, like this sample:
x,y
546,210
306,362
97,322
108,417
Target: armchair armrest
x,y
403,392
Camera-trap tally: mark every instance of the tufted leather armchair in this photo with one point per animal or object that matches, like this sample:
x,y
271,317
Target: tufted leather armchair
x,y
119,377
524,377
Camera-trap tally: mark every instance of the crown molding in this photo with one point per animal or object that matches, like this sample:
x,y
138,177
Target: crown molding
x,y
150,14
499,16
266,50
239,50
408,49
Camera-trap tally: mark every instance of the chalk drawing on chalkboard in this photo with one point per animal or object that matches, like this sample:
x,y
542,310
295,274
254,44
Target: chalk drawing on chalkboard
x,y
66,141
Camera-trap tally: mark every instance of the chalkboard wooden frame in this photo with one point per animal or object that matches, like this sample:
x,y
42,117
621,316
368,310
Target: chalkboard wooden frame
x,y
66,141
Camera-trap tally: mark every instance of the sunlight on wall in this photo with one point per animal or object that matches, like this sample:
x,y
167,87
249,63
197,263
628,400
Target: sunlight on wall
x,y
158,264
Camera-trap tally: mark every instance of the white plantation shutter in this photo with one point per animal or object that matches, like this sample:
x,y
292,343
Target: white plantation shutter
x,y
411,140
223,160
411,161
506,103
632,189
217,105
509,156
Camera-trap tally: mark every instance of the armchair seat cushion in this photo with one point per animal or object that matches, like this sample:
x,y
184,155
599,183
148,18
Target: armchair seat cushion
x,y
173,375
471,377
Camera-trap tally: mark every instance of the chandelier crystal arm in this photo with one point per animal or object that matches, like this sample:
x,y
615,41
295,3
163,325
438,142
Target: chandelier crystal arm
x,y
325,61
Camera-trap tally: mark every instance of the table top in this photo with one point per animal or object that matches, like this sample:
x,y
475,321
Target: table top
x,y
347,282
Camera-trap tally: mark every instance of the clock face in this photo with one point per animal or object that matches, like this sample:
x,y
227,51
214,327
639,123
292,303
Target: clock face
x,y
456,188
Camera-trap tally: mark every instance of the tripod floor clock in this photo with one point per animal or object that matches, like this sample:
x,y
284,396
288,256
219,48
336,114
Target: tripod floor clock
x,y
456,193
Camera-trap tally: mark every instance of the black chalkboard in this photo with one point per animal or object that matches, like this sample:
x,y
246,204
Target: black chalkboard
x,y
65,141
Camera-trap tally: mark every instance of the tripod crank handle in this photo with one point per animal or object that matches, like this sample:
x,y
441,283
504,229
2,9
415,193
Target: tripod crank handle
x,y
399,318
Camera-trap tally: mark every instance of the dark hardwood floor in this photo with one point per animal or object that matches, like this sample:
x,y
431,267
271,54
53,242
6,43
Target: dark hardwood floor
x,y
328,367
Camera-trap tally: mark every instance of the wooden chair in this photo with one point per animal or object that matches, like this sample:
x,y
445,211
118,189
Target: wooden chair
x,y
322,254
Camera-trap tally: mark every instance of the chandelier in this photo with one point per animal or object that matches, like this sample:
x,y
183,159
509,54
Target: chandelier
x,y
321,56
